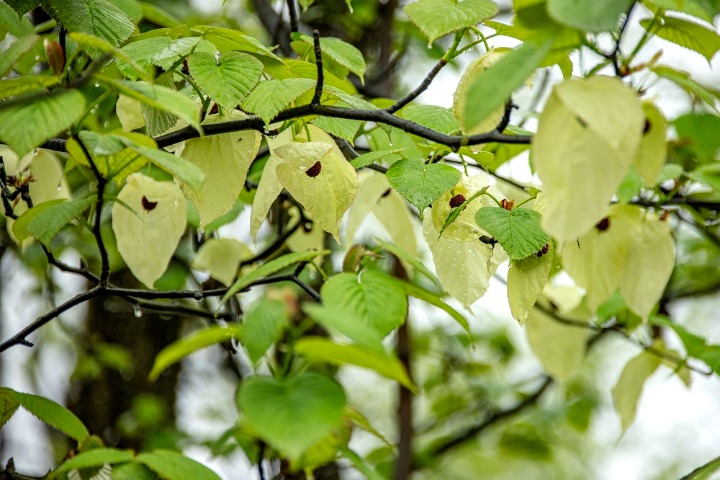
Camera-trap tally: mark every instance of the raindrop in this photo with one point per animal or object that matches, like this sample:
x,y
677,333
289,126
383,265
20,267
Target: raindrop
x,y
198,297
37,58
97,85
35,152
137,311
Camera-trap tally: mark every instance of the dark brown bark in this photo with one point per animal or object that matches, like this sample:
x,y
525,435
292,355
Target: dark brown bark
x,y
100,402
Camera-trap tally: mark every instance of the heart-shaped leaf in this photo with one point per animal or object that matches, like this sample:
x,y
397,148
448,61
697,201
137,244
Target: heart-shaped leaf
x,y
373,297
437,18
227,80
294,413
419,183
517,230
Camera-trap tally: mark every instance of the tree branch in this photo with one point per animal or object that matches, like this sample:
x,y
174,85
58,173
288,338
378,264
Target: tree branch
x,y
319,64
420,88
445,445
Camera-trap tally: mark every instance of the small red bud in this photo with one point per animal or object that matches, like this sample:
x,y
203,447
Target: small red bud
x,y
457,200
147,204
314,171
603,224
55,56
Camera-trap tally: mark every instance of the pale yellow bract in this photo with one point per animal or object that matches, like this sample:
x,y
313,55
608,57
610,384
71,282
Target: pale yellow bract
x,y
148,235
587,139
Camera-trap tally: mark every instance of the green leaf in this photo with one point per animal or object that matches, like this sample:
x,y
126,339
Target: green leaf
x,y
95,17
588,15
434,117
492,87
685,81
51,413
138,55
16,50
25,123
172,56
184,170
26,84
437,18
704,472
156,96
687,34
271,96
373,297
588,135
263,326
227,39
93,44
434,300
626,392
185,346
518,230
269,268
45,220
93,458
148,220
419,183
13,19
341,52
292,414
411,259
133,471
705,9
8,406
709,174
367,159
698,132
347,323
175,466
323,350
228,79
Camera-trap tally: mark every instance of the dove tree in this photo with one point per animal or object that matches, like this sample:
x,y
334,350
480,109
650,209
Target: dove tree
x,y
232,173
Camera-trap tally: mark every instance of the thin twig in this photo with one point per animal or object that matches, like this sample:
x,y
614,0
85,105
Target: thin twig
x,y
420,88
319,65
101,182
472,432
292,12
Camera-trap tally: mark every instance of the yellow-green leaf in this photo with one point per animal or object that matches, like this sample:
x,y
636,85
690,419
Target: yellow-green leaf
x,y
323,350
225,160
628,389
587,138
460,98
463,267
320,179
221,258
559,347
148,221
652,152
597,261
690,35
649,264
525,282
185,346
